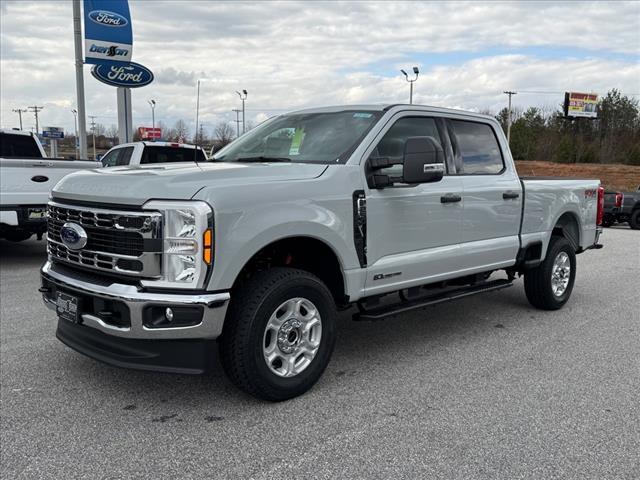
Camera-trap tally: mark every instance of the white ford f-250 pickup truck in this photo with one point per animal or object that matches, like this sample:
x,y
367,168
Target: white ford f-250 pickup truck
x,y
383,208
26,178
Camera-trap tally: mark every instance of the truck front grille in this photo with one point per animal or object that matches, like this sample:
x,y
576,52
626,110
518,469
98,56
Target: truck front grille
x,y
118,241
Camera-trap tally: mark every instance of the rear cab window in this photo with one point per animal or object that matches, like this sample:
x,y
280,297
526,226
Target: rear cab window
x,y
476,148
152,154
18,146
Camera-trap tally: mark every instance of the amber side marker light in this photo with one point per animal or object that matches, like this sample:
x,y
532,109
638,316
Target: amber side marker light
x,y
207,242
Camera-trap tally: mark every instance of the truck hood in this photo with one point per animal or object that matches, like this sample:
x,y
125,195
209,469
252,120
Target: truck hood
x,y
136,185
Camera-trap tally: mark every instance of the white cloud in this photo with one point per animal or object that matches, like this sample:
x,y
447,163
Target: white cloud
x,y
295,54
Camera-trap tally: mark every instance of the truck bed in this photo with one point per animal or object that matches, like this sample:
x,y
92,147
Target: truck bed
x,y
547,199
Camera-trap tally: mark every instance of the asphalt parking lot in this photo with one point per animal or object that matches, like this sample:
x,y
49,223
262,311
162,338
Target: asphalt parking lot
x,y
486,387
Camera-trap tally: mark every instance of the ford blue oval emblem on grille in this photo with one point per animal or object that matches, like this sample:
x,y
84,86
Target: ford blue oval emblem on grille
x,y
73,236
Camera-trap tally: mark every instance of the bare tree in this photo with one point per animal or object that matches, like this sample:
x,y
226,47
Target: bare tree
x,y
223,134
179,132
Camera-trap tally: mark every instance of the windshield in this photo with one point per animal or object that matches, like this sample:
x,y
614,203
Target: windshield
x,y
305,137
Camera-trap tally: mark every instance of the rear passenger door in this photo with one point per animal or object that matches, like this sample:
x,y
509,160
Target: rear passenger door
x,y
492,198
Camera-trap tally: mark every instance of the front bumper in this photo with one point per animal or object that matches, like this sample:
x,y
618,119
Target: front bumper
x,y
124,337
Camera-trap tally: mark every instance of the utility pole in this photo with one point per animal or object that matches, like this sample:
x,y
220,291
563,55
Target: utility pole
x,y
510,93
75,123
243,97
35,109
77,41
93,131
19,112
237,121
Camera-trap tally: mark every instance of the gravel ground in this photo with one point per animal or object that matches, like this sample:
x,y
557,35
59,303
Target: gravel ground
x,y
486,387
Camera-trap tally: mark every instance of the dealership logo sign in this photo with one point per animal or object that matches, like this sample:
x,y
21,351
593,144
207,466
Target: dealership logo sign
x,y
108,19
132,75
110,51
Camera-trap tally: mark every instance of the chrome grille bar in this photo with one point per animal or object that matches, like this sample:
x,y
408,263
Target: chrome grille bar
x,y
126,242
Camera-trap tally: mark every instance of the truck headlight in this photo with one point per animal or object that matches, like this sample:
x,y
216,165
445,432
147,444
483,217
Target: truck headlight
x,y
187,243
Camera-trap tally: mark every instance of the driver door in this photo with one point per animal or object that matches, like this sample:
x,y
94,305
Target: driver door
x,y
412,234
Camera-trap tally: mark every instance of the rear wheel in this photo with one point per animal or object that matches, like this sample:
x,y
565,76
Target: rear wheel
x,y
549,285
634,221
279,334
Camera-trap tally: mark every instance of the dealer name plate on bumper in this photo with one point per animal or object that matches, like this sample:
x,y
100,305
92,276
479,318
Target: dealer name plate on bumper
x,y
67,307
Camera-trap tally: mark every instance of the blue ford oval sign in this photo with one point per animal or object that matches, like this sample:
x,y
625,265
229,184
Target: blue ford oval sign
x,y
73,236
132,75
108,19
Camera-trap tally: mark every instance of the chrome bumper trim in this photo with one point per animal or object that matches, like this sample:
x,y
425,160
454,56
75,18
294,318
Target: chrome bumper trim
x,y
215,307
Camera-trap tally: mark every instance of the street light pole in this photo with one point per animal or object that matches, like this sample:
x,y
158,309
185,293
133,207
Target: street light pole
x,y
152,102
243,97
416,72
509,116
75,123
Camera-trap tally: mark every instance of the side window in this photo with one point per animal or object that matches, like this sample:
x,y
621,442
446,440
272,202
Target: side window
x,y
477,147
125,156
111,158
392,144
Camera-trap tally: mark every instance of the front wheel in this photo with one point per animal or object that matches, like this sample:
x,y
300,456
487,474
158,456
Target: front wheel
x,y
549,285
279,334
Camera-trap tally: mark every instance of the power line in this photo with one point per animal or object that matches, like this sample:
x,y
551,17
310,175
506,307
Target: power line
x,y
35,109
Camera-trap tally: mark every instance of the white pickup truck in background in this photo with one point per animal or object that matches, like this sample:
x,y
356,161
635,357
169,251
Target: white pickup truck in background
x,y
26,178
143,153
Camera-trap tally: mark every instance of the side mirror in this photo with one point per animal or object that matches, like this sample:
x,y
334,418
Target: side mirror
x,y
423,160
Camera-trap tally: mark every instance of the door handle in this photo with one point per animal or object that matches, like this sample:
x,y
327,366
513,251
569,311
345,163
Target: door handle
x,y
510,195
450,198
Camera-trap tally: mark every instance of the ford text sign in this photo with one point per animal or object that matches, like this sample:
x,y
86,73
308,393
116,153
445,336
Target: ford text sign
x,y
108,19
132,75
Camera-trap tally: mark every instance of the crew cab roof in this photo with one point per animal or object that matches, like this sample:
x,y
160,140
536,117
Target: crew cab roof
x,y
160,144
392,106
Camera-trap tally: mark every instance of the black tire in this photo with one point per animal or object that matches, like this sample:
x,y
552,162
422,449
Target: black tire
x,y
17,236
243,337
634,221
537,281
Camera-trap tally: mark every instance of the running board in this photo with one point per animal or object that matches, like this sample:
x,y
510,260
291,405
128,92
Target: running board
x,y
381,312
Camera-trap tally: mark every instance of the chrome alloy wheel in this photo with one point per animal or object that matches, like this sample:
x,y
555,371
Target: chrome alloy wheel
x,y
560,274
292,337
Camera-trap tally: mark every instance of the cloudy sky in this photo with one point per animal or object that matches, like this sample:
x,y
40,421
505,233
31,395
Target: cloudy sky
x,y
290,55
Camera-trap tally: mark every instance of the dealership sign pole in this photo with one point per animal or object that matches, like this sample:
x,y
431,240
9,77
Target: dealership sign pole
x,y
82,118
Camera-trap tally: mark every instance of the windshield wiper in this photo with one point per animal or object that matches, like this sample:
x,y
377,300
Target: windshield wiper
x,y
262,158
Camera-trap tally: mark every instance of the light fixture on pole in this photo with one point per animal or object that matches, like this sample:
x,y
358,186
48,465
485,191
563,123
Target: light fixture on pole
x,y
243,97
416,72
152,103
75,123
